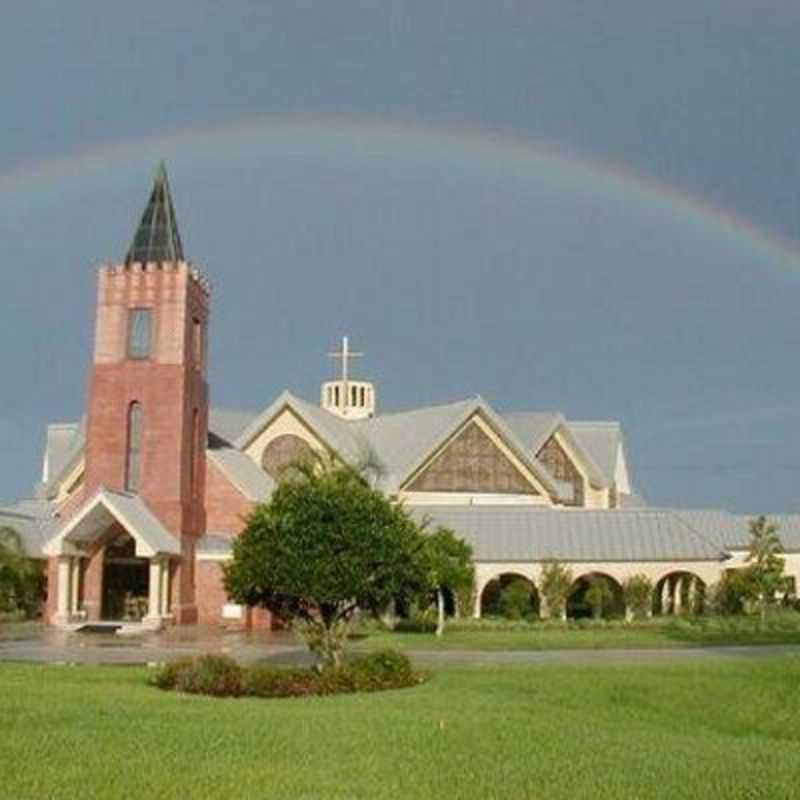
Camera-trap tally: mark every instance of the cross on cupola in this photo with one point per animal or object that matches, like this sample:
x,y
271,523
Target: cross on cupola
x,y
345,397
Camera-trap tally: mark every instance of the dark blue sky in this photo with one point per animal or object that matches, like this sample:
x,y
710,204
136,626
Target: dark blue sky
x,y
457,272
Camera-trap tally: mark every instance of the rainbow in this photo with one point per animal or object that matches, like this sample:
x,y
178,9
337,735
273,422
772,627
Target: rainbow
x,y
360,137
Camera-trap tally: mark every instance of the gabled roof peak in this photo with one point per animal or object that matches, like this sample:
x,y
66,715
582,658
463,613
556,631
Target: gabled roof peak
x,y
157,238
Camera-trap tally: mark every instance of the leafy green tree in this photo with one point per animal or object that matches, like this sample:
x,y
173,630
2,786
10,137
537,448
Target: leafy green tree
x,y
21,578
766,562
599,595
556,582
447,564
732,592
323,547
517,599
638,594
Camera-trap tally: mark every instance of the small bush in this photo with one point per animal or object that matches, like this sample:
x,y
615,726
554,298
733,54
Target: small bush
x,y
516,600
731,595
384,669
638,594
166,677
276,682
218,676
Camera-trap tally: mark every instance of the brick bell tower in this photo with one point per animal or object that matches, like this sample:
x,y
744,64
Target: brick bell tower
x,y
147,423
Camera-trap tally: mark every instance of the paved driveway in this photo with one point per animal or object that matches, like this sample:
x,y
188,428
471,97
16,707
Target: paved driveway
x,y
45,645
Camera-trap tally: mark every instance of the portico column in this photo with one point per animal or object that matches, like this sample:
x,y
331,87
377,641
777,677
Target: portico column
x,y
63,599
692,597
164,587
476,610
678,602
74,578
154,592
663,597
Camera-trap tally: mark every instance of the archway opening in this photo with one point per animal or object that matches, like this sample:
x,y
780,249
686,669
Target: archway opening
x,y
510,596
595,596
126,580
679,593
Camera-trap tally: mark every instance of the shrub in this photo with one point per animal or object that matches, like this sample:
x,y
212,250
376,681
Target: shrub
x,y
556,582
732,593
22,579
218,676
166,677
598,595
638,594
384,669
275,682
516,600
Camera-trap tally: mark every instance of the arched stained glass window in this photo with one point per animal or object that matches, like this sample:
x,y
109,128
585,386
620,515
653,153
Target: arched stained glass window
x,y
134,448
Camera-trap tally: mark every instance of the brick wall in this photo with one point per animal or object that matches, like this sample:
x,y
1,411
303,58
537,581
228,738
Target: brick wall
x,y
226,506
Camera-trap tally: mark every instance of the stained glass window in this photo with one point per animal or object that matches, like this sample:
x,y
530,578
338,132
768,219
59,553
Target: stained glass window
x,y
284,451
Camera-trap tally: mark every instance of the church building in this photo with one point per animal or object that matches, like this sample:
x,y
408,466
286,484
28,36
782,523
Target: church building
x,y
140,500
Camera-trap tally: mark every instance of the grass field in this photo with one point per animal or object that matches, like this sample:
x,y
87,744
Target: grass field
x,y
685,731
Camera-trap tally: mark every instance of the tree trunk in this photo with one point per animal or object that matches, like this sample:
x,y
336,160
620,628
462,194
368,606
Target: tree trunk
x,y
439,611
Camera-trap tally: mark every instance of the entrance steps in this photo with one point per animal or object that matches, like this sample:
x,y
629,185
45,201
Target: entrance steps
x,y
120,628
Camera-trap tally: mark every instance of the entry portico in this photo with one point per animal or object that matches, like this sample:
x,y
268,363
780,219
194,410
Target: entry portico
x,y
108,519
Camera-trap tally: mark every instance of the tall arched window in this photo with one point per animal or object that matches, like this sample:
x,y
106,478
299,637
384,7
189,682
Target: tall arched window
x,y
134,448
194,467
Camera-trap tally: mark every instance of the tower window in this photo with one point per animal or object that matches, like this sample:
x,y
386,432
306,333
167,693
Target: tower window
x,y
197,343
195,454
140,332
133,453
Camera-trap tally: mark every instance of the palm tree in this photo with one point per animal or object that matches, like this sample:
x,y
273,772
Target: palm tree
x,y
766,561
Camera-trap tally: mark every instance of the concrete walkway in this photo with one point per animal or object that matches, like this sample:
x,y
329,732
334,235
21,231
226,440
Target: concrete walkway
x,y
45,645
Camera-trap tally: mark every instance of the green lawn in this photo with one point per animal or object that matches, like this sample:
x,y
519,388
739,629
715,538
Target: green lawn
x,y
780,628
726,730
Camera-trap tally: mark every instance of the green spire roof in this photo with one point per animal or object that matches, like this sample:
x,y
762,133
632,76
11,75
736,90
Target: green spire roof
x,y
157,237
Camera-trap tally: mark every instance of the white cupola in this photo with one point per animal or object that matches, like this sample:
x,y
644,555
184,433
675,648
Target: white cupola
x,y
347,398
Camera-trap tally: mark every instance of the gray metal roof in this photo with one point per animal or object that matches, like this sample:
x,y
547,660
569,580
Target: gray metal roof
x,y
525,533
716,525
601,440
228,423
534,428
334,432
66,458
59,440
243,473
401,440
106,507
788,530
31,520
633,500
